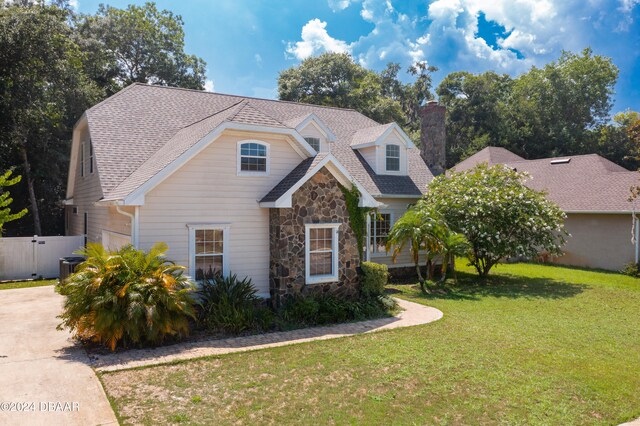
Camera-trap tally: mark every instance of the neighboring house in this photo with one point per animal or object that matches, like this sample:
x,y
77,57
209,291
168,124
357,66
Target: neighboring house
x,y
245,186
594,194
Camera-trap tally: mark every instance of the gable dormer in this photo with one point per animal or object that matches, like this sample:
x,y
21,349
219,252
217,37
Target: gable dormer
x,y
314,131
384,147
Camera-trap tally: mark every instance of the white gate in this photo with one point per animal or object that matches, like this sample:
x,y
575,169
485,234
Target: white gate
x,y
34,257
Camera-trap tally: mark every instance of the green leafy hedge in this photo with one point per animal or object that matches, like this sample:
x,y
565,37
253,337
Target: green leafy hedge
x,y
374,279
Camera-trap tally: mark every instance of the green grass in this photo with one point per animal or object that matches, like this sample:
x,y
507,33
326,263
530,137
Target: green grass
x,y
531,345
26,284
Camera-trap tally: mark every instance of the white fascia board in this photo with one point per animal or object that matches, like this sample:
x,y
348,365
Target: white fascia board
x,y
331,137
394,127
136,198
600,212
338,171
396,196
378,142
68,202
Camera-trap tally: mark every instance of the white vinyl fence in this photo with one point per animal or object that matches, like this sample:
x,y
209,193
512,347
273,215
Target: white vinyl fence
x,y
34,257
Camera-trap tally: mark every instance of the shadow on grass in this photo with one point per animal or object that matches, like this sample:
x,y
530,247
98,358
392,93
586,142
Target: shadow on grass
x,y
471,287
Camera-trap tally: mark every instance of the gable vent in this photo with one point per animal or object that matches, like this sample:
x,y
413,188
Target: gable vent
x,y
561,161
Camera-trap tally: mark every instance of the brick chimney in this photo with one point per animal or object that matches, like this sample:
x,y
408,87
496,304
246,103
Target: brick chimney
x,y
433,137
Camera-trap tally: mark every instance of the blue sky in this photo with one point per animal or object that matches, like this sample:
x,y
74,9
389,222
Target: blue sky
x,y
247,42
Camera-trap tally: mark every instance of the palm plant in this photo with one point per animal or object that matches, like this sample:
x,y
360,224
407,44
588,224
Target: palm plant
x,y
452,245
128,296
419,229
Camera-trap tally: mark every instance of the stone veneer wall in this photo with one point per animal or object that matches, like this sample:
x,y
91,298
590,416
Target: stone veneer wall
x,y
319,200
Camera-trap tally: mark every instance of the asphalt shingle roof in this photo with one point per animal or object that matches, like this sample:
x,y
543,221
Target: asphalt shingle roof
x,y
584,183
143,128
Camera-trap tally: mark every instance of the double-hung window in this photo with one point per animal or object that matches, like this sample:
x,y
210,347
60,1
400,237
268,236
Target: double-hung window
x,y
314,142
253,158
321,252
82,159
378,231
90,156
208,247
393,158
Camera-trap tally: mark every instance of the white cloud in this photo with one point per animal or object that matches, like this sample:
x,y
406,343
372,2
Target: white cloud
x,y
258,59
338,5
208,86
315,40
73,4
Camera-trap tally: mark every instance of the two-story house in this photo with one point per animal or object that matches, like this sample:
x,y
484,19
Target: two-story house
x,y
245,186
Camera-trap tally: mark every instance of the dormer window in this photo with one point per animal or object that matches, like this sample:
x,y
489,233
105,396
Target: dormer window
x,y
393,158
253,158
314,142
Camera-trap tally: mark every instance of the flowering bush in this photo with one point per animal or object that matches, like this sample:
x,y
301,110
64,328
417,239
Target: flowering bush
x,y
499,215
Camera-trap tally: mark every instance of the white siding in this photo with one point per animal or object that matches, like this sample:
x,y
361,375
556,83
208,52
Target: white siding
x,y
397,207
370,157
392,139
86,192
207,190
312,131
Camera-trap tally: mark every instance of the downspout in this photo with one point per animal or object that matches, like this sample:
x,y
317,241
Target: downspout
x,y
134,224
367,243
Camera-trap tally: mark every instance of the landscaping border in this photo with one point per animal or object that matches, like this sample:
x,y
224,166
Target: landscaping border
x,y
412,314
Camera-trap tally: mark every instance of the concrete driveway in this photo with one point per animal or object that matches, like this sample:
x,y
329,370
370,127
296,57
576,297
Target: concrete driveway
x,y
45,379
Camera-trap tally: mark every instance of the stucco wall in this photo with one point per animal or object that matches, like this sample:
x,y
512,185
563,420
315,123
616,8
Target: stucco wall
x,y
319,200
598,241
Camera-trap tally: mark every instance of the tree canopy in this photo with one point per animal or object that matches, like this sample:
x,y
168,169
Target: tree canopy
x,y
560,109
53,66
334,79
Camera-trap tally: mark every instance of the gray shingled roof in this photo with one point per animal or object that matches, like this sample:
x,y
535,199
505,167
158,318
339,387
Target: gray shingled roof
x,y
585,183
369,134
143,128
491,155
292,178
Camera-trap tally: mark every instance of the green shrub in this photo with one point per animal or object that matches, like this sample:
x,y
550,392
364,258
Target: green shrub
x,y
374,279
230,305
632,269
329,309
127,296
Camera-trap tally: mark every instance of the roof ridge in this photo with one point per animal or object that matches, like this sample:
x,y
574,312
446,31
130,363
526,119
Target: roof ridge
x,y
209,116
157,86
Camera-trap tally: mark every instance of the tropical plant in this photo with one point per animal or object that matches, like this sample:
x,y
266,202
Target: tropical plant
x,y
500,216
127,297
452,245
229,304
419,228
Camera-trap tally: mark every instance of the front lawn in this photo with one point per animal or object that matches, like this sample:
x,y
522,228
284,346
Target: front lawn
x,y
533,345
26,284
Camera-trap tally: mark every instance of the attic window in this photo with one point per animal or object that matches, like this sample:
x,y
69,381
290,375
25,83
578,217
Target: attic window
x,y
393,158
561,161
314,142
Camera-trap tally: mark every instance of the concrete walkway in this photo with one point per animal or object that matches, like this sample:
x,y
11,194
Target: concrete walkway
x,y
413,314
42,372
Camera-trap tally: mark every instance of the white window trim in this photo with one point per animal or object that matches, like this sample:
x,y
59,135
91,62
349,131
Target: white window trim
x,y
399,157
307,270
225,228
82,159
372,236
319,142
90,157
239,156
